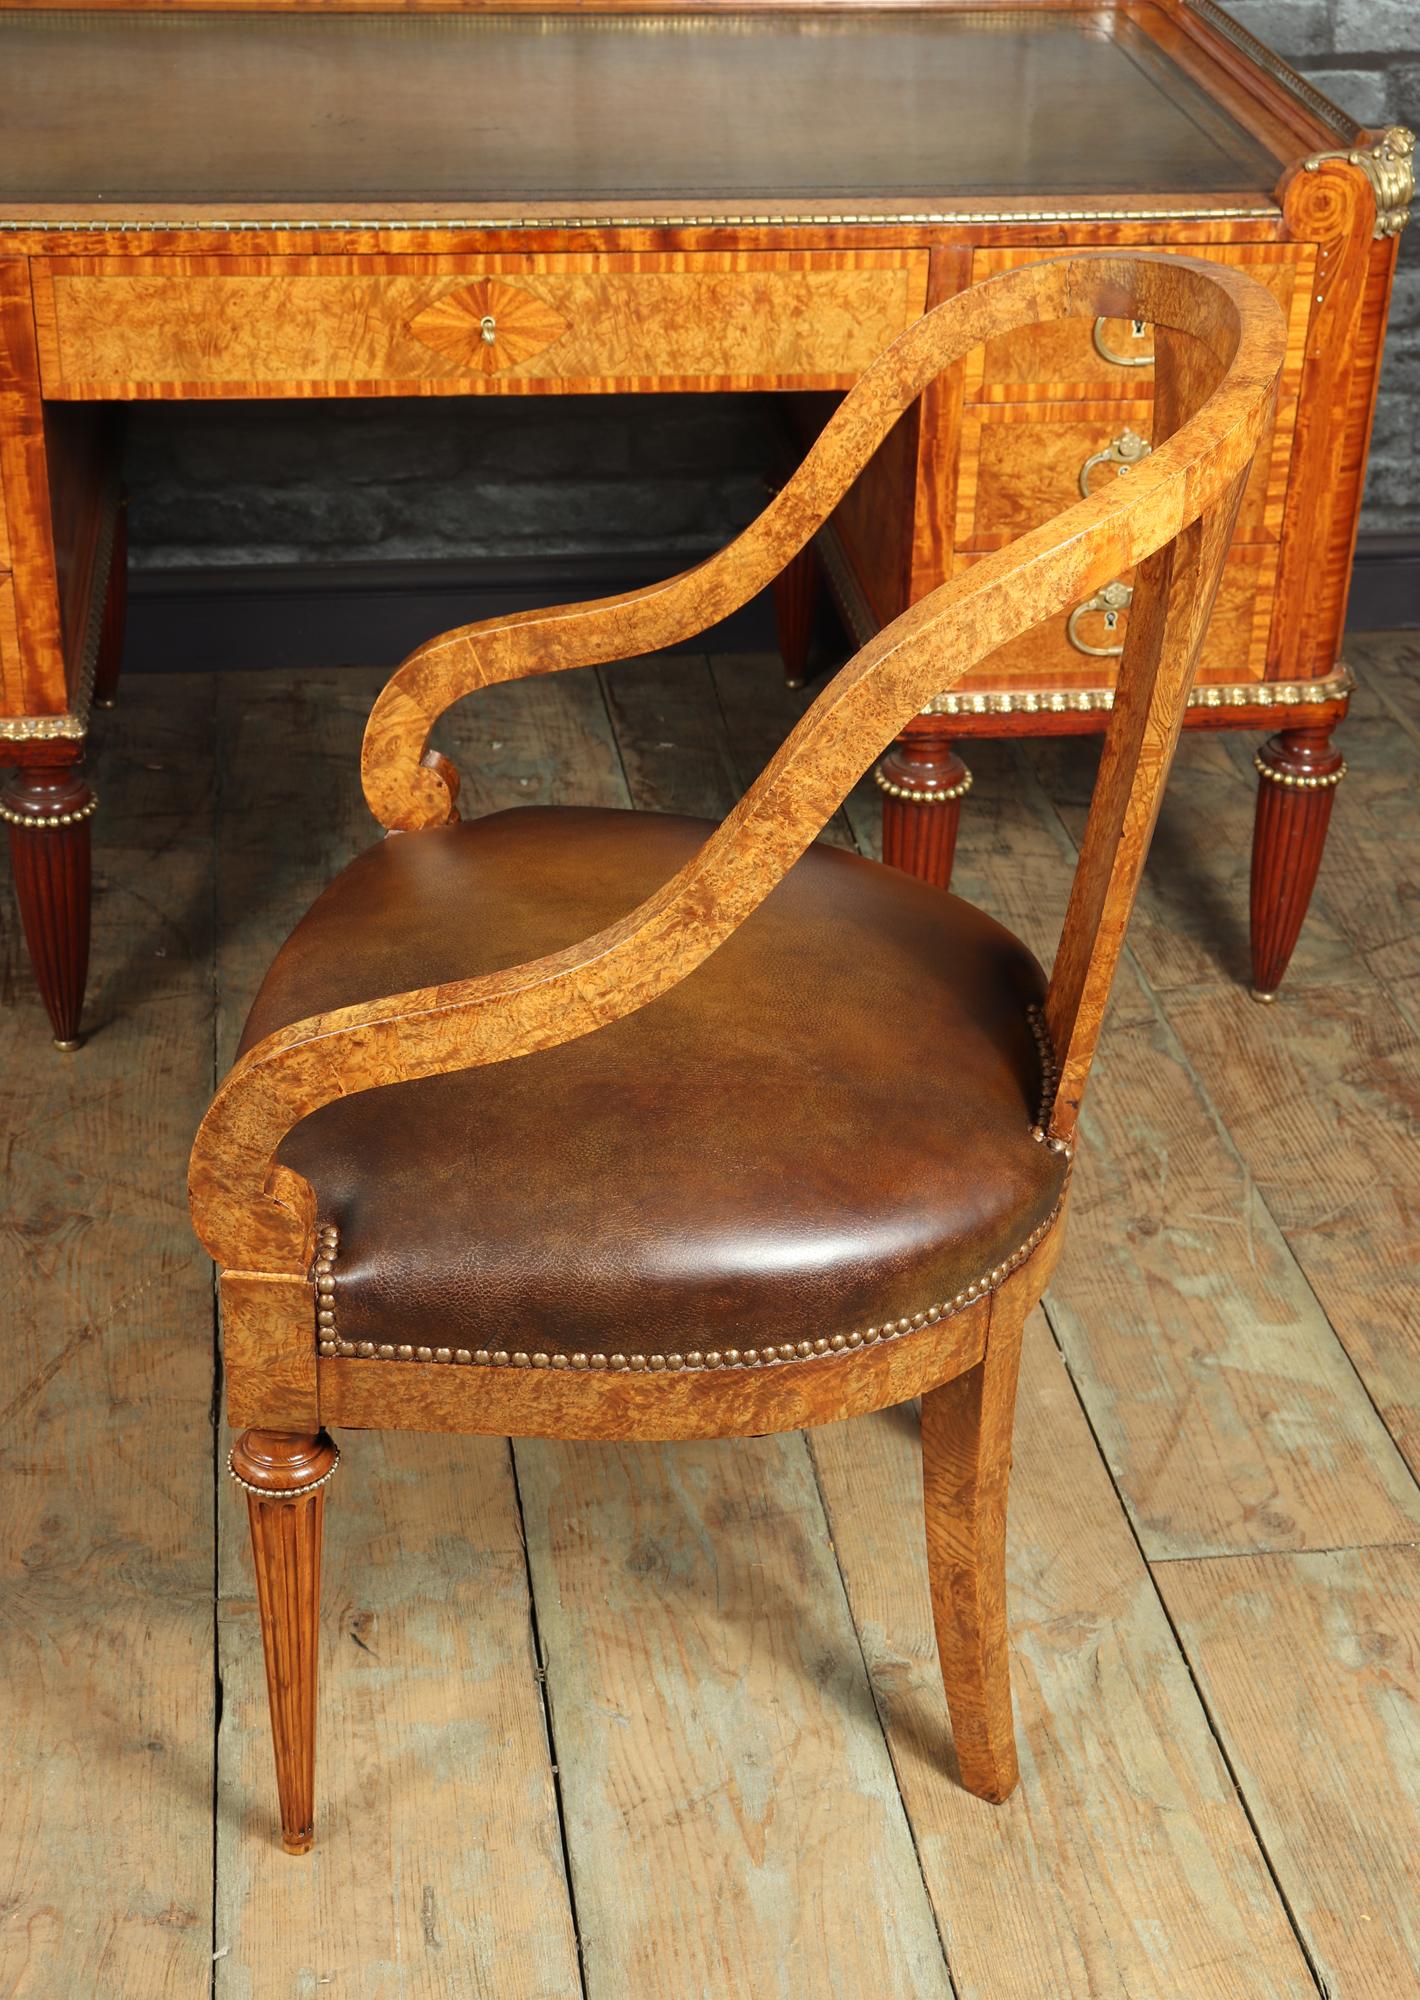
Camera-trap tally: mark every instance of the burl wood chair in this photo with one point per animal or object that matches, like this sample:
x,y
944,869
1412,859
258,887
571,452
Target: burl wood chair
x,y
593,1124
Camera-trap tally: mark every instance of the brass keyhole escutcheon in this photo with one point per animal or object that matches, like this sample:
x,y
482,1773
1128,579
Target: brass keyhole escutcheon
x,y
1110,600
1138,330
488,327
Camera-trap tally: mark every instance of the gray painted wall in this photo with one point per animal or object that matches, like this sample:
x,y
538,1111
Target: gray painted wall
x,y
251,484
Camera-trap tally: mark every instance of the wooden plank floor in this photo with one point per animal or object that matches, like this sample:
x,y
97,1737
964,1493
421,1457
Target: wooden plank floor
x,y
665,1723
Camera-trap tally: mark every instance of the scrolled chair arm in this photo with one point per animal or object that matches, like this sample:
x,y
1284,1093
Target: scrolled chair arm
x,y
255,1215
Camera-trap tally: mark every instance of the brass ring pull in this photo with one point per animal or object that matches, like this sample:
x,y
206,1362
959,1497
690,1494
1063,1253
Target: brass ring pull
x,y
488,327
1110,600
1121,452
1138,329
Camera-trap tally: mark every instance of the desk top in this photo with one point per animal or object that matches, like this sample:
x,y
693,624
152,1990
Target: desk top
x,y
818,108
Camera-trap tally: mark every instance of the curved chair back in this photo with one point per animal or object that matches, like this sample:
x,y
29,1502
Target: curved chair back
x,y
1219,343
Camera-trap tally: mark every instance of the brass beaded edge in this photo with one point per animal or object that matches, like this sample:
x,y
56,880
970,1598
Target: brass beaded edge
x,y
1267,59
739,219
944,795
1299,781
331,1347
281,1492
49,822
1090,701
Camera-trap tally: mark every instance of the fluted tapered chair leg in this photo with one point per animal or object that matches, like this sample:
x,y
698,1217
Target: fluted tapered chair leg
x,y
284,1478
966,1462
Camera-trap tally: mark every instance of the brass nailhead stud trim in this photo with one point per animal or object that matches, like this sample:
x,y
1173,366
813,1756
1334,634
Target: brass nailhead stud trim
x,y
332,1347
1049,1084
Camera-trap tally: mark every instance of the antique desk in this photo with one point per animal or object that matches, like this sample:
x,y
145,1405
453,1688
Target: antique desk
x,y
326,201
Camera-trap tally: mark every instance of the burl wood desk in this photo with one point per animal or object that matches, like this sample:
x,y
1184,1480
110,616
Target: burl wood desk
x,y
328,202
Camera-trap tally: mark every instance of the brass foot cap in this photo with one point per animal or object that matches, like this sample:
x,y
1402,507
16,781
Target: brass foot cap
x,y
109,701
794,684
299,1843
68,1048
1263,999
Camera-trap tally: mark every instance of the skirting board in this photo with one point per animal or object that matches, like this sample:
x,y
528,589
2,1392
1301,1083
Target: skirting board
x,y
306,614
294,616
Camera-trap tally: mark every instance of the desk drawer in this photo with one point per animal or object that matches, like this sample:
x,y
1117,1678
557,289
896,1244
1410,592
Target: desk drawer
x,y
1235,648
1021,463
234,326
1071,360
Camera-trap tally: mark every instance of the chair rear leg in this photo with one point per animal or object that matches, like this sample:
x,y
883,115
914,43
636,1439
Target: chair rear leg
x,y
284,1477
966,1464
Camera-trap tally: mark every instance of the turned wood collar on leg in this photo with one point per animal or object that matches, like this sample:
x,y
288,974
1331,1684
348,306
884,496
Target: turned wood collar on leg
x,y
274,1465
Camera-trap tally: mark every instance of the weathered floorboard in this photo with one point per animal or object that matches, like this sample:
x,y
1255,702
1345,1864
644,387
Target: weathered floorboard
x,y
1229,1414
105,1394
702,1667
437,1868
1125,1806
1319,1095
731,1814
438,1865
1309,1667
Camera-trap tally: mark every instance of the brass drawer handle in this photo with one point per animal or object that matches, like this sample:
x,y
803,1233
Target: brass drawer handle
x,y
1121,452
488,327
1110,600
1138,329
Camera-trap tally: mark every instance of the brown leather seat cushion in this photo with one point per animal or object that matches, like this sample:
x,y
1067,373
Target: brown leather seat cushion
x,y
827,1124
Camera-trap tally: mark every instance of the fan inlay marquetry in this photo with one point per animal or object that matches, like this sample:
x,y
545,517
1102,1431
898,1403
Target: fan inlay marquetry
x,y
521,323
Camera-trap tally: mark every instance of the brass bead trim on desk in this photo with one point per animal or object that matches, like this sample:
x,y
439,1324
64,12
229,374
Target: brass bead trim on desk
x,y
280,1492
331,1346
1268,60
808,219
1090,701
49,822
1024,701
1299,781
943,796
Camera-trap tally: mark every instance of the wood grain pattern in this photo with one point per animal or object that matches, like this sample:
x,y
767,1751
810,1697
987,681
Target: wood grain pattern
x,y
867,703
107,1451
966,1463
1220,346
1308,1665
1296,789
1322,1117
438,1864
1229,1418
1124,1864
34,680
1334,207
1125,1804
720,1790
1021,463
1061,363
698,1403
48,812
435,1765
243,326
1235,646
286,1520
